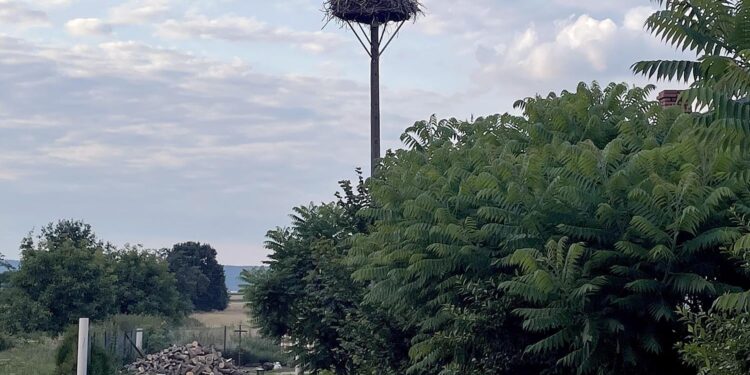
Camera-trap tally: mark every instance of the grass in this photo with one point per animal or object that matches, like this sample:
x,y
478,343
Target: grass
x,y
234,315
35,357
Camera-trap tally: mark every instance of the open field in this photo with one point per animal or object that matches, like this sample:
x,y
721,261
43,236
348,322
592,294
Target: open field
x,y
233,316
32,358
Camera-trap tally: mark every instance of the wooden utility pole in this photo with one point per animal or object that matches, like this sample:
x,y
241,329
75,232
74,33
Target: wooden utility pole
x,y
374,96
376,14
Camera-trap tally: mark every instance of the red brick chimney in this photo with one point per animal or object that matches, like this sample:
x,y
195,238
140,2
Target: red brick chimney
x,y
668,98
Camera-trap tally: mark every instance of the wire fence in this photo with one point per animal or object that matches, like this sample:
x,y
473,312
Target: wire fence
x,y
237,342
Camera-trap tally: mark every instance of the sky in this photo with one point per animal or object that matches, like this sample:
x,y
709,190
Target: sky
x,y
164,121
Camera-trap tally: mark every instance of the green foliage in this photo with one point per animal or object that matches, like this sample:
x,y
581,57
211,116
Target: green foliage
x,y
596,211
35,357
6,342
100,362
156,330
145,286
287,299
21,314
562,241
717,344
258,350
200,277
307,294
717,31
66,272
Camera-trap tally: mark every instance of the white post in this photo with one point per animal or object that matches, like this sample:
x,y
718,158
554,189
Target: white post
x,y
83,346
298,368
139,339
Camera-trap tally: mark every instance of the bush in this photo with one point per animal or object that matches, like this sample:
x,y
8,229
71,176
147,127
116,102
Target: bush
x,y
6,342
717,344
100,362
258,350
157,334
21,314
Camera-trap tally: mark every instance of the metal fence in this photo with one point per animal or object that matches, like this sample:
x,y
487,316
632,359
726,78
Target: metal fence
x,y
120,343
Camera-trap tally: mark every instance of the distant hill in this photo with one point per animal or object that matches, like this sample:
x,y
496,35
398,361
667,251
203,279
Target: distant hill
x,y
13,263
232,274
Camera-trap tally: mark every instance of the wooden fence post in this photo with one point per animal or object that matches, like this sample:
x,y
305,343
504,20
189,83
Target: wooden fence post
x,y
224,348
83,346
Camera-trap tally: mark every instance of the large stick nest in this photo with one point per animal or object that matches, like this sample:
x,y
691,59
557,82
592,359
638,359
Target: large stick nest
x,y
370,11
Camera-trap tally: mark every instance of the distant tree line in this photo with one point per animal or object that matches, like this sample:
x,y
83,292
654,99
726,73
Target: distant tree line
x,y
67,272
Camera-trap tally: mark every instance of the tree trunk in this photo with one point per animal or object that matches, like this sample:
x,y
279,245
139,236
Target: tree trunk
x,y
374,97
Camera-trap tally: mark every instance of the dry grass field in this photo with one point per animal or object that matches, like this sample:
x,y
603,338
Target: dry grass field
x,y
233,315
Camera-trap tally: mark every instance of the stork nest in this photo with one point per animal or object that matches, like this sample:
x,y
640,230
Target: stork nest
x,y
372,11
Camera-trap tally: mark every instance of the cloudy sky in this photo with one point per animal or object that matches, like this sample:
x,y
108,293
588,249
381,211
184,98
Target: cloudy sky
x,y
160,121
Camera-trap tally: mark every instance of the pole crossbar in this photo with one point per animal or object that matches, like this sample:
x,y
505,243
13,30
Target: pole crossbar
x,y
392,36
364,33
359,39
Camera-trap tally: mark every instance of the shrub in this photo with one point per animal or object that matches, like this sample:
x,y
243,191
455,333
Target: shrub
x,y
6,342
258,350
717,344
21,314
100,362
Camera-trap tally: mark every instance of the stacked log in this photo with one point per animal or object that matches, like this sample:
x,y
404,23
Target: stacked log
x,y
192,359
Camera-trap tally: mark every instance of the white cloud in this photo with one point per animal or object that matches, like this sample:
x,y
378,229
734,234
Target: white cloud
x,y
87,153
19,14
636,17
139,11
244,29
88,27
53,3
156,142
583,40
136,107
588,36
585,31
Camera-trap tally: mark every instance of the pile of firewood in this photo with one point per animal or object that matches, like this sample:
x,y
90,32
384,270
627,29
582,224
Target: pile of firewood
x,y
184,360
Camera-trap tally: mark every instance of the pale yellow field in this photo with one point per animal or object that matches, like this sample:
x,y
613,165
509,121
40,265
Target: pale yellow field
x,y
234,315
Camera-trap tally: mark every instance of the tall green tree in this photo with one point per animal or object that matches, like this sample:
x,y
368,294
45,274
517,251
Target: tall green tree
x,y
66,272
307,294
144,284
717,32
638,196
199,275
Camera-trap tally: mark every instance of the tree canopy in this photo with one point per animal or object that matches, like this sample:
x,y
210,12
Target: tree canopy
x,y
307,295
200,277
65,271
563,240
144,284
